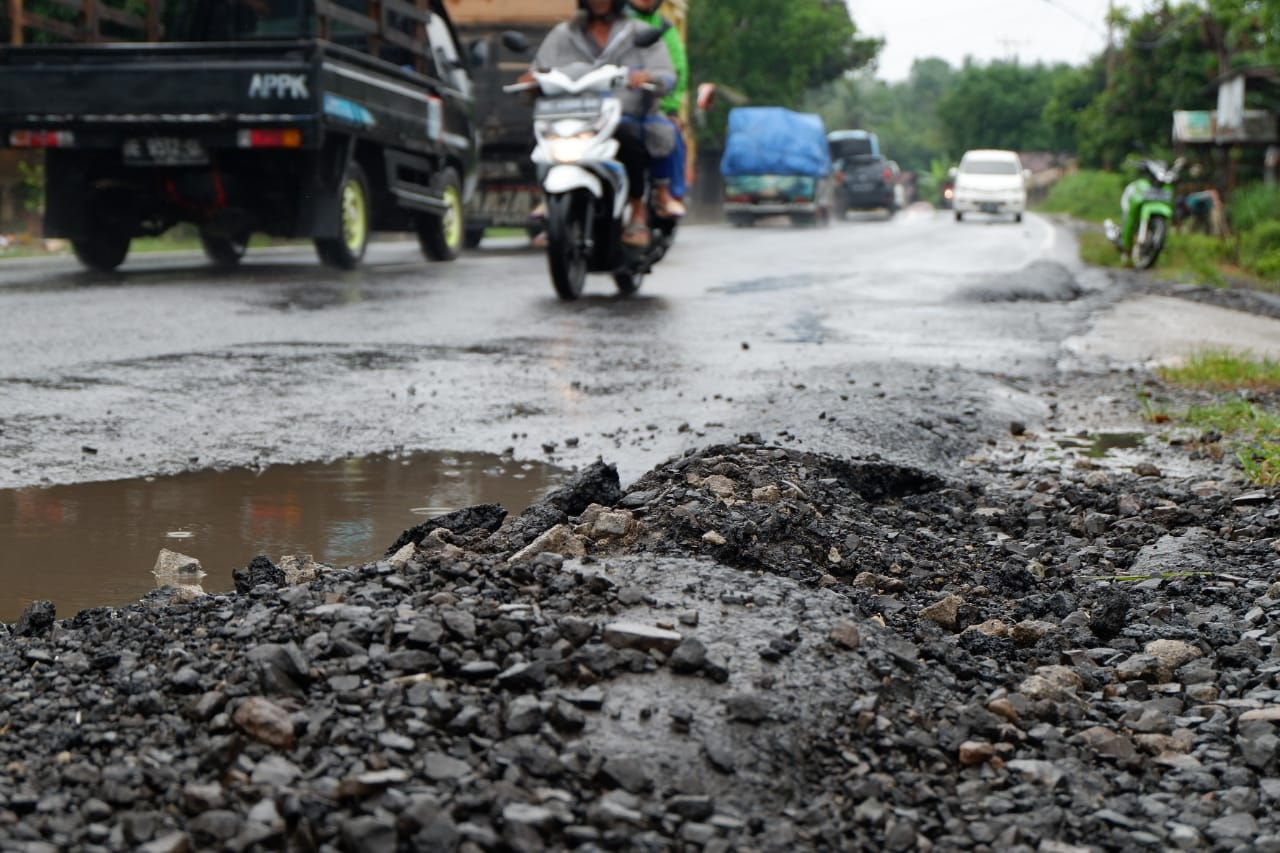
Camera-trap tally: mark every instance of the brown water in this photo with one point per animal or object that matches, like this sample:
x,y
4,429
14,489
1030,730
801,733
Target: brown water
x,y
96,543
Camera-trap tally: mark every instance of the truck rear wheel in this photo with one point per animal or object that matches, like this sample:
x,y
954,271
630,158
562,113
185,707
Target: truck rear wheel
x,y
103,251
345,252
441,236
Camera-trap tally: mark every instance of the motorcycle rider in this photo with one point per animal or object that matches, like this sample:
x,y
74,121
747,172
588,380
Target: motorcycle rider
x,y
601,24
669,171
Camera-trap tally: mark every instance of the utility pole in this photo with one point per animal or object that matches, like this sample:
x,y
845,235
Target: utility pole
x,y
1010,46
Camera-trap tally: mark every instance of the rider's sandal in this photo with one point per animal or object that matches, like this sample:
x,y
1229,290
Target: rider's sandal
x,y
636,235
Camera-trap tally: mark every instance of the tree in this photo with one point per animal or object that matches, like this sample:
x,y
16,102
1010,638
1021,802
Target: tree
x,y
1000,105
1073,90
903,115
1165,62
774,52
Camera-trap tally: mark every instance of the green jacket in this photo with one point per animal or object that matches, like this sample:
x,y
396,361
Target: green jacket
x,y
672,101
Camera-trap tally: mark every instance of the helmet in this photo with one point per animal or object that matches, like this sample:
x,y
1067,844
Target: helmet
x,y
615,8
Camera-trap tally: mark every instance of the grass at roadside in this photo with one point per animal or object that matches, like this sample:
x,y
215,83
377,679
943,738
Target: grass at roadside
x,y
1091,196
180,238
1251,256
1242,406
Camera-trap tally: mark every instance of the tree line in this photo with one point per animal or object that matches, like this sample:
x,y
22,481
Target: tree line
x,y
809,55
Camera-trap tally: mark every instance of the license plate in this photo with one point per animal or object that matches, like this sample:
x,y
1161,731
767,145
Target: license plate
x,y
567,106
509,206
165,151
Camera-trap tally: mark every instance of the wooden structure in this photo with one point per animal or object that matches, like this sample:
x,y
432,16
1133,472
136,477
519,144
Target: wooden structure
x,y
85,21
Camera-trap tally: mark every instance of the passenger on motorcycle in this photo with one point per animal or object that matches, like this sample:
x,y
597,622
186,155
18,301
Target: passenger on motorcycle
x,y
668,172
600,24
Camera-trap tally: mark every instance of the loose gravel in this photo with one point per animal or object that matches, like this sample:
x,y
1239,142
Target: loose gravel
x,y
751,647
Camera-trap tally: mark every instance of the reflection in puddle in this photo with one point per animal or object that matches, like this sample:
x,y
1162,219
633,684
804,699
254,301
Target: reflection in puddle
x,y
1096,445
96,543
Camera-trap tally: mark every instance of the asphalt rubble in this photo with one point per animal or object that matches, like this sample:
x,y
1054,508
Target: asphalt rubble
x,y
752,647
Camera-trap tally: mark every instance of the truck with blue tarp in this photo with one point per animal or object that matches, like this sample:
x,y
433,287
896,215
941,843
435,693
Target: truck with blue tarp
x,y
318,119
776,162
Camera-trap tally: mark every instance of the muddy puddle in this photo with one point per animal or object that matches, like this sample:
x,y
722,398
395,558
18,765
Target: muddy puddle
x,y
96,544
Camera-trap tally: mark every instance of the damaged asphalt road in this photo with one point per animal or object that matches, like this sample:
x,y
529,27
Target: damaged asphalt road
x,y
944,626
751,647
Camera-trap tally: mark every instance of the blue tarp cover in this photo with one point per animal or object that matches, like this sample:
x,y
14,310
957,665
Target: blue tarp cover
x,y
775,141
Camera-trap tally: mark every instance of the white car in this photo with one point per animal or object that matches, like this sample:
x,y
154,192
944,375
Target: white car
x,y
990,181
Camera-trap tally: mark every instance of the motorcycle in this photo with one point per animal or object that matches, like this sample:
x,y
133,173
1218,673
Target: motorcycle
x,y
584,185
1146,212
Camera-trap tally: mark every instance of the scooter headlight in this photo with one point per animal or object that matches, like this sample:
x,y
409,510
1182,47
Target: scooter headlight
x,y
570,149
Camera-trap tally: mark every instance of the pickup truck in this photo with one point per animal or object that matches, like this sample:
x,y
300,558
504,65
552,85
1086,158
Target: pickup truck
x,y
310,119
864,178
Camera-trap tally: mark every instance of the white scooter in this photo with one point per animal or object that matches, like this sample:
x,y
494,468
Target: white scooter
x,y
584,184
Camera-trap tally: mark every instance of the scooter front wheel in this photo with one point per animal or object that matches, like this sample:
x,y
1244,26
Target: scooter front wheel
x,y
567,230
627,281
1147,249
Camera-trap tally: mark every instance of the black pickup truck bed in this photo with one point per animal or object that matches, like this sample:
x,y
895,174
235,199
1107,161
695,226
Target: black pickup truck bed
x,y
295,138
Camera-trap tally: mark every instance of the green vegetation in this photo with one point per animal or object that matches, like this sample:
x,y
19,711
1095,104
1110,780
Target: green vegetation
x,y
1243,409
1224,370
1089,195
770,52
1254,205
1253,255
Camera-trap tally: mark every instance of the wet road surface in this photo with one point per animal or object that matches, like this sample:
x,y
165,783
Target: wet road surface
x,y
169,366
909,338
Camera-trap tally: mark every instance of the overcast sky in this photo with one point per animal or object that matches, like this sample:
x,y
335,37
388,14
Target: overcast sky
x,y
1031,30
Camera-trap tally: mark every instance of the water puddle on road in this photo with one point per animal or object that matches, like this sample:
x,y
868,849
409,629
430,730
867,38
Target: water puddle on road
x,y
95,544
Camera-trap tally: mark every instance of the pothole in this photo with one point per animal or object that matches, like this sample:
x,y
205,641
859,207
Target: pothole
x,y
95,544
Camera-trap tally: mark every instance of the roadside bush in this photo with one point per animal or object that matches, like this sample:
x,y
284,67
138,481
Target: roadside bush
x,y
1200,254
1260,250
1088,195
1252,206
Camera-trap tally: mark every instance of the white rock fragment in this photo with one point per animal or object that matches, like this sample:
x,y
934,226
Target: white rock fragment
x,y
559,540
636,635
172,567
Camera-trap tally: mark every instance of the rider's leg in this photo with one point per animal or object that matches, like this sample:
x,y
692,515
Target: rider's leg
x,y
679,185
666,173
635,159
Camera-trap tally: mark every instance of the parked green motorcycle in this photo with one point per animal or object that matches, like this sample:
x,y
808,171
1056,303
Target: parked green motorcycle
x,y
1146,212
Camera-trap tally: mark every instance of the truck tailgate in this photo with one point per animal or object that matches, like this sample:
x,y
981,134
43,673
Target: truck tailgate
x,y
48,86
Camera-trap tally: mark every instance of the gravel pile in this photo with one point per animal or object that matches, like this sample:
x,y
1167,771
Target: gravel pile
x,y
750,648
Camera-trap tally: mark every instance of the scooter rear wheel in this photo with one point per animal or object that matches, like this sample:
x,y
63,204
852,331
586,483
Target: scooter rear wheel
x,y
566,244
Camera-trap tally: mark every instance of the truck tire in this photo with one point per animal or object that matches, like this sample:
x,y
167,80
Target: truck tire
x,y
346,252
225,252
473,236
103,252
441,236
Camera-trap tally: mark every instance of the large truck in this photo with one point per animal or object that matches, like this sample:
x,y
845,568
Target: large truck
x,y
507,191
776,163
319,119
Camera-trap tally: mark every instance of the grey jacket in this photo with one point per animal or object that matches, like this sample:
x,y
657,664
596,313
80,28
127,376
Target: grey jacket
x,y
568,42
